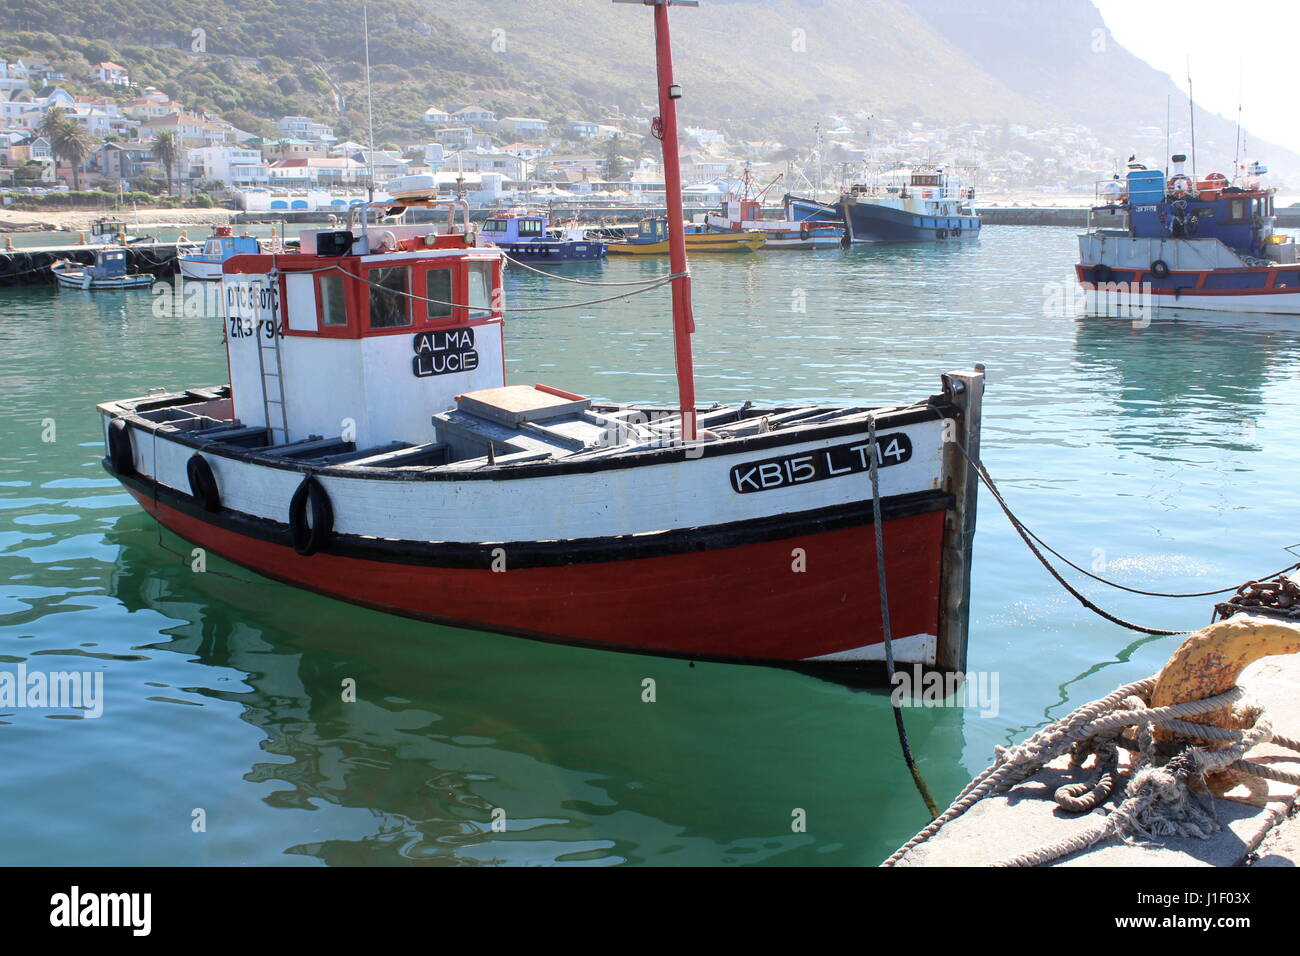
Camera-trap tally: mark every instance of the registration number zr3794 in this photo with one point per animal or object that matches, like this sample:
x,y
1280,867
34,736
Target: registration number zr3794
x,y
849,459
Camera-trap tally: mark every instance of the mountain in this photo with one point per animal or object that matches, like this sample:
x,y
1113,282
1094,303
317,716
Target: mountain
x,y
756,68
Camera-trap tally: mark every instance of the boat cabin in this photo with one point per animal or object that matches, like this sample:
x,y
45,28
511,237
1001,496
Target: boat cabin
x,y
218,248
363,333
109,264
504,229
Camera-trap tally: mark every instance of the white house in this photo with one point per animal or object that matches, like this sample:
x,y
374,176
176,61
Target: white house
x,y
476,116
304,127
232,165
525,125
109,72
438,116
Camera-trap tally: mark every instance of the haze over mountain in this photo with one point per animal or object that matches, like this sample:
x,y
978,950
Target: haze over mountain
x,y
754,68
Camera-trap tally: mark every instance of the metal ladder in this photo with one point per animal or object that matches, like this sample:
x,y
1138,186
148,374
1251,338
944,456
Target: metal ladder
x,y
267,374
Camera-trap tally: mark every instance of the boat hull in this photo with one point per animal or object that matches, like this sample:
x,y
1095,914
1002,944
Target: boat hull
x,y
757,548
870,222
203,270
695,243
667,604
76,279
1135,293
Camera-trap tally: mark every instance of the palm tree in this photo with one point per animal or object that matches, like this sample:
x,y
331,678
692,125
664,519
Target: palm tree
x,y
166,150
70,142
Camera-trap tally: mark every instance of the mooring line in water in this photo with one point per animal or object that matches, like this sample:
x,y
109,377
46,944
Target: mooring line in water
x,y
1159,594
1029,542
884,619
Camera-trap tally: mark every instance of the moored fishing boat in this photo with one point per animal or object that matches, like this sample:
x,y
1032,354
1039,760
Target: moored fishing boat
x,y
369,448
217,248
109,271
743,212
923,204
529,237
652,239
1155,241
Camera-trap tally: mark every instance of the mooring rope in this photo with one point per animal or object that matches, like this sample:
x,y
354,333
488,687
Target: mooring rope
x,y
903,742
1029,542
1157,800
552,275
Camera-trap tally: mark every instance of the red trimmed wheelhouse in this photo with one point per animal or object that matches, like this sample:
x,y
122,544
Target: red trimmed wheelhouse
x,y
368,447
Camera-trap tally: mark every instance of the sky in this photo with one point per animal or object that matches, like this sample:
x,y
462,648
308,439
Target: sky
x,y
1238,52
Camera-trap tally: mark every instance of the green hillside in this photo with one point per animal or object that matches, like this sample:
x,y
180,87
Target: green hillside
x,y
756,68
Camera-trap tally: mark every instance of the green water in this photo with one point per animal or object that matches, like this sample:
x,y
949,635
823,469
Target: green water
x,y
1166,454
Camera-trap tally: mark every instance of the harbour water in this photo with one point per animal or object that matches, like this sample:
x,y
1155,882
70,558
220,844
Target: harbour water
x,y
1159,454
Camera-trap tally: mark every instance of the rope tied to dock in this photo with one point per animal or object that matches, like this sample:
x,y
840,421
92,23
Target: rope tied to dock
x,y
1158,799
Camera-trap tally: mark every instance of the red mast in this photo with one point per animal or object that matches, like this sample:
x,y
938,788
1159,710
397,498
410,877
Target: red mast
x,y
665,128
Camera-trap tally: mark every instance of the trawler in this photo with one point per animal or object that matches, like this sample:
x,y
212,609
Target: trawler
x,y
920,204
1175,241
369,447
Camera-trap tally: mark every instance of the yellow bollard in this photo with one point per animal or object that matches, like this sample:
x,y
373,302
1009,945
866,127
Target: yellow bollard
x,y
81,238
1210,661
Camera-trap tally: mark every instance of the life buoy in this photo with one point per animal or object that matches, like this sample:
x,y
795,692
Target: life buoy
x,y
1099,274
1160,269
203,483
310,538
121,456
1180,186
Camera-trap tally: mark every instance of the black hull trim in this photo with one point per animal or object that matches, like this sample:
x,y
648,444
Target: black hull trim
x,y
540,554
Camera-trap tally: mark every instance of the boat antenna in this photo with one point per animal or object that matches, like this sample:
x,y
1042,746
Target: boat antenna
x,y
1191,109
664,128
1236,157
1169,112
370,102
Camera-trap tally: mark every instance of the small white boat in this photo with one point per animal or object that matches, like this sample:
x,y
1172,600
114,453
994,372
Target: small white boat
x,y
108,272
217,248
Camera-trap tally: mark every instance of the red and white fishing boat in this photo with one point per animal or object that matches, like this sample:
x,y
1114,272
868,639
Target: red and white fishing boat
x,y
742,211
369,448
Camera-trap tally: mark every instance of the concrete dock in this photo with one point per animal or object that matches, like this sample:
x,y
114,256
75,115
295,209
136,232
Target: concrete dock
x,y
1260,826
31,266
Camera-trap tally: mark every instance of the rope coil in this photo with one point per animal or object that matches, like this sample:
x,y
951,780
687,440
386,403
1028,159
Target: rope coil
x,y
1157,799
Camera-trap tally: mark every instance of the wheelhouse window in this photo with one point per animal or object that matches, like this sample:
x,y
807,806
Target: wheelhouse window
x,y
333,308
437,285
530,227
390,305
480,289
495,225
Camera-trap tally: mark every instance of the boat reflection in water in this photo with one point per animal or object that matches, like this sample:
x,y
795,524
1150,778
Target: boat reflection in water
x,y
449,726
1205,376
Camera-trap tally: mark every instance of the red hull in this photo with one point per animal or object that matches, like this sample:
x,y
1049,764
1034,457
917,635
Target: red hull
x,y
744,602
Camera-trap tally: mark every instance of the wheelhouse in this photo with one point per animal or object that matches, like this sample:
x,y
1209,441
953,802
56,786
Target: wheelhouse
x,y
367,335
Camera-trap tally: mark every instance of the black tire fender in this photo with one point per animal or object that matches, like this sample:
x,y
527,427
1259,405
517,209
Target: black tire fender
x,y
203,483
804,232
308,539
1160,269
1100,274
121,456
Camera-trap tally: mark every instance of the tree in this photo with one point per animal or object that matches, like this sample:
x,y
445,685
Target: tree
x,y
166,149
615,167
68,141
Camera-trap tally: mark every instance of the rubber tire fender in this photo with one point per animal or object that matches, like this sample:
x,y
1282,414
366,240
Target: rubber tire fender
x,y
308,539
203,483
121,456
1160,269
1100,274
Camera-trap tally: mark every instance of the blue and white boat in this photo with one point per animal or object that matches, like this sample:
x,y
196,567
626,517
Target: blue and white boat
x,y
1158,240
529,238
217,248
907,205
109,271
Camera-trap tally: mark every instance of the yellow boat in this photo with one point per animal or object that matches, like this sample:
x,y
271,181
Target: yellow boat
x,y
652,240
